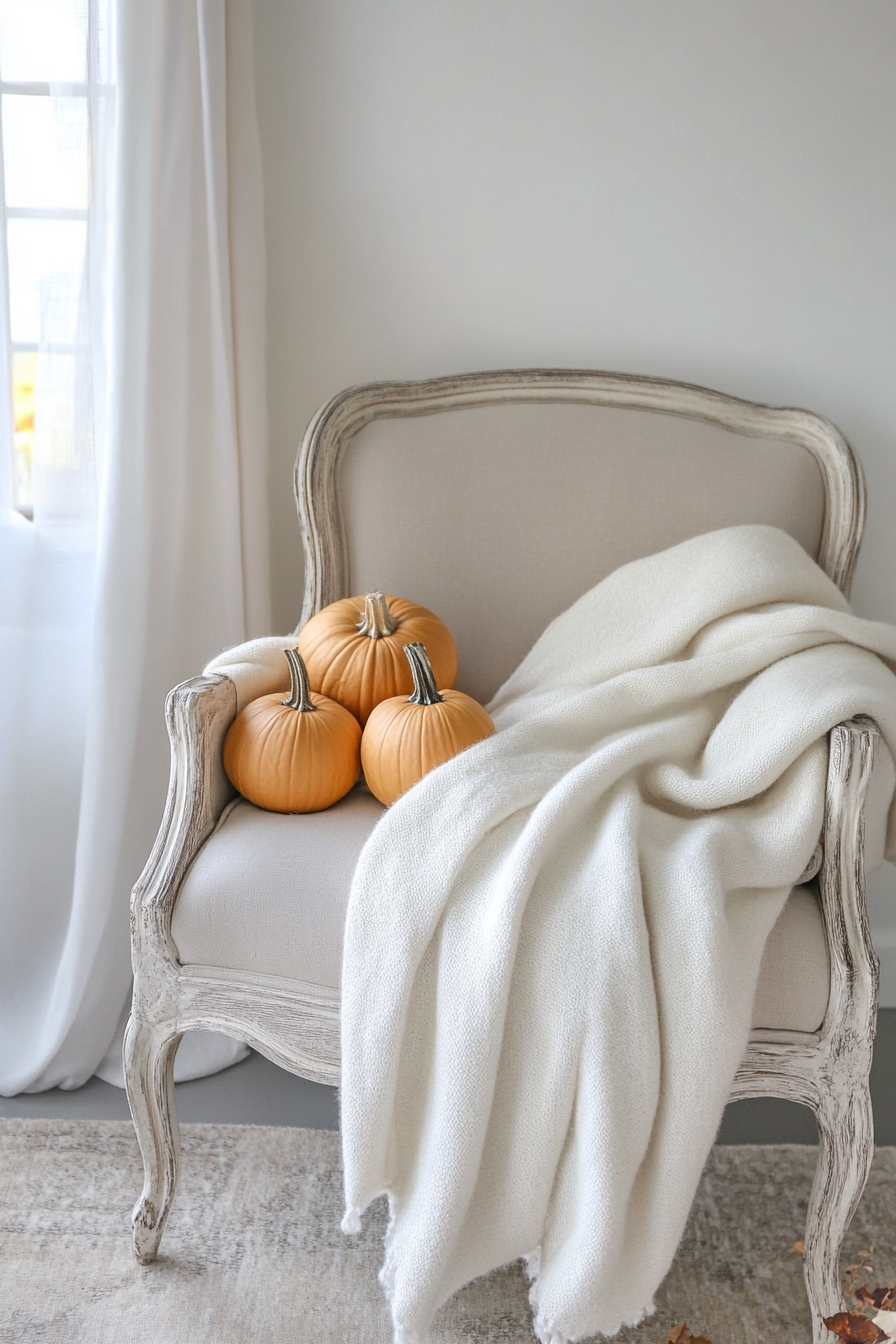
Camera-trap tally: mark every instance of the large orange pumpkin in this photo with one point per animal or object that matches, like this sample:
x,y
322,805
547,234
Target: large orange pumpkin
x,y
405,737
295,755
354,649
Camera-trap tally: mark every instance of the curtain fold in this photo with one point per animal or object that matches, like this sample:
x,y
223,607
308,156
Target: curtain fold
x,y
182,554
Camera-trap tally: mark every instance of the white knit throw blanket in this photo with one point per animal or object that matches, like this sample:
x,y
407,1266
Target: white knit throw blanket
x,y
553,941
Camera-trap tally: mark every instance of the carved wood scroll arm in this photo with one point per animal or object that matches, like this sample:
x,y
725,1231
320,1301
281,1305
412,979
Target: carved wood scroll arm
x,y
812,1068
852,1006
198,714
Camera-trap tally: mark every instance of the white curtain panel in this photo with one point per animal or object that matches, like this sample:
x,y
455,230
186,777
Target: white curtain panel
x,y
47,581
182,553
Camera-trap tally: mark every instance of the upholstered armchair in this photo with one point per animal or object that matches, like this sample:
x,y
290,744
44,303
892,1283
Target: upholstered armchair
x,y
497,500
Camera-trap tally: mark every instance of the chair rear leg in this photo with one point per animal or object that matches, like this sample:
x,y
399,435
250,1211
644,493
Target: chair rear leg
x,y
149,1051
845,1154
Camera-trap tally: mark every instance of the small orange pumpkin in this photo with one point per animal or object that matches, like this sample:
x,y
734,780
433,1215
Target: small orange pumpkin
x,y
354,649
405,738
301,754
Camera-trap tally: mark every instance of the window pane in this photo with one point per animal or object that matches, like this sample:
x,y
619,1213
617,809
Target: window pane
x,y
106,17
45,150
43,40
45,263
65,484
56,423
24,368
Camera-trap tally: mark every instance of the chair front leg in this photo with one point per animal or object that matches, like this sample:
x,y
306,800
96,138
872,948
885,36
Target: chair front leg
x,y
199,713
149,1050
841,1096
845,1154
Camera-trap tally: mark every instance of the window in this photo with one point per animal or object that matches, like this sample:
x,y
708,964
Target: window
x,y
54,79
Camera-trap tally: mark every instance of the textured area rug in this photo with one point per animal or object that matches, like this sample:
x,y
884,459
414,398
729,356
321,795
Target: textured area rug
x,y
253,1253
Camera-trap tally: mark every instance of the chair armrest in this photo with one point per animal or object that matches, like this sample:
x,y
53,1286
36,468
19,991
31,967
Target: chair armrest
x,y
852,1005
198,713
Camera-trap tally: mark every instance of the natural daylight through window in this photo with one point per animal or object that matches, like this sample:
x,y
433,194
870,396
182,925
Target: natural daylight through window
x,y
49,74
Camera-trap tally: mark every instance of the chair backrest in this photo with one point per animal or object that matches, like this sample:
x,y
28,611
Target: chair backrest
x,y
498,499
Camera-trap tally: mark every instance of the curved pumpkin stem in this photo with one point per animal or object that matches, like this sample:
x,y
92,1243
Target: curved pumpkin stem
x,y
376,620
425,692
299,690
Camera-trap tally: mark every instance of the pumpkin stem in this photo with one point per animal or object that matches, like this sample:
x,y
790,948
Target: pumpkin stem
x,y
376,619
425,692
299,691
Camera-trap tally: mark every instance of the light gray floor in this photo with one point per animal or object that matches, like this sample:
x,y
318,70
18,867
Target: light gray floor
x,y
256,1092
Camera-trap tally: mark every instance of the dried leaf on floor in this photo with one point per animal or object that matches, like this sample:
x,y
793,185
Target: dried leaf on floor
x,y
854,1328
883,1299
681,1334
875,1306
863,1267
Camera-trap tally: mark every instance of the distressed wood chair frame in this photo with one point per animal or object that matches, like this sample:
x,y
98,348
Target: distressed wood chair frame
x,y
827,1070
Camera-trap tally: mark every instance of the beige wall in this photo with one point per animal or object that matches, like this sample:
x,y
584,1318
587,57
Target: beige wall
x,y
703,190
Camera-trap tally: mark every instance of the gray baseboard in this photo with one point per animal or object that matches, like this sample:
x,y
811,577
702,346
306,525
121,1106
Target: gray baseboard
x,y
256,1092
885,947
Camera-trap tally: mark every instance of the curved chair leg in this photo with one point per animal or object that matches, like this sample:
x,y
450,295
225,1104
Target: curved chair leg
x,y
845,1154
149,1051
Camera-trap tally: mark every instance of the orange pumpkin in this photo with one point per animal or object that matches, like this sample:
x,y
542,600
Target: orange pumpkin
x,y
354,649
405,738
295,755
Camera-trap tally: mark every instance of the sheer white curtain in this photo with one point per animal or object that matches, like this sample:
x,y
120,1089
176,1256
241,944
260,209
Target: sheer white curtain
x,y
181,543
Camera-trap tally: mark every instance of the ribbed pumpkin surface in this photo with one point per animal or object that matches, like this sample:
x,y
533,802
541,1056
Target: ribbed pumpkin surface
x,y
289,760
402,741
360,671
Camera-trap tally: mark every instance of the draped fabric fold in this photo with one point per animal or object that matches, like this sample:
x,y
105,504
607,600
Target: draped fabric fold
x,y
553,941
181,538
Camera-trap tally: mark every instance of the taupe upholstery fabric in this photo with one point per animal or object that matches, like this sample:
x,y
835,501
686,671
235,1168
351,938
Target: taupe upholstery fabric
x,y
499,517
792,993
268,894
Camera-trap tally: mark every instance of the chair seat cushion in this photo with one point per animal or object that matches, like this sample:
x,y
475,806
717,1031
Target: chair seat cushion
x,y
267,893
